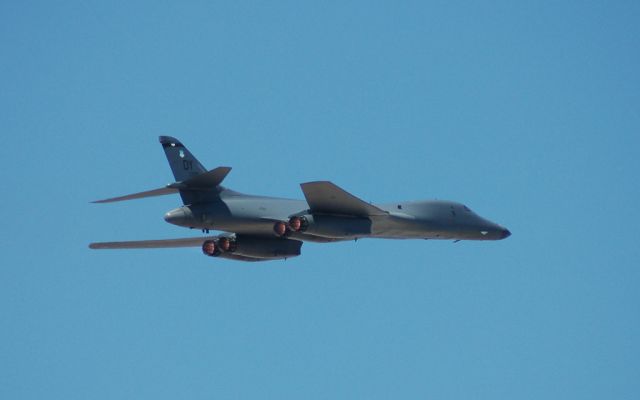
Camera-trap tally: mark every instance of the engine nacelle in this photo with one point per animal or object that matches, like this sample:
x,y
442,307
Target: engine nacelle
x,y
298,223
210,248
281,229
266,247
227,244
330,226
258,247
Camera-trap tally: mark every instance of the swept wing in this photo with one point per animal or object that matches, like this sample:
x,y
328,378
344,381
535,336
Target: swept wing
x,y
202,182
152,244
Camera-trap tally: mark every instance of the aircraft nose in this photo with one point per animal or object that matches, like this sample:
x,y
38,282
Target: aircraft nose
x,y
505,233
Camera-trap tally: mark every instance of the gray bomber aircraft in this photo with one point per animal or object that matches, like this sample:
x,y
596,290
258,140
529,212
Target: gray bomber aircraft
x,y
259,228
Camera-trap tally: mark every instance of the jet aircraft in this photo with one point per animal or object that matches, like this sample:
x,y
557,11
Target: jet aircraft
x,y
259,228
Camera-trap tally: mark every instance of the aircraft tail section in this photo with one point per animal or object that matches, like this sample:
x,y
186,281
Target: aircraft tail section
x,y
183,164
194,183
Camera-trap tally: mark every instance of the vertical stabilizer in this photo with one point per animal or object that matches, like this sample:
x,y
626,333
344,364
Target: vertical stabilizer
x,y
185,167
183,164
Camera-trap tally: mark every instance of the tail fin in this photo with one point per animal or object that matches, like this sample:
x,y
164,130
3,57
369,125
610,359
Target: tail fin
x,y
183,164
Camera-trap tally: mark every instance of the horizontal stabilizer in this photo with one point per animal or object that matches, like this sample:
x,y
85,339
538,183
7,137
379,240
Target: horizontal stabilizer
x,y
148,193
326,198
152,244
206,180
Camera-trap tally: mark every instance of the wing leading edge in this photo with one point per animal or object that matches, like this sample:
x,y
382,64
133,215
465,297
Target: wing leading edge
x,y
203,182
149,193
152,244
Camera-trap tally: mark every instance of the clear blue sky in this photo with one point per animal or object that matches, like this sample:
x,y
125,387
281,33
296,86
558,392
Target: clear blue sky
x,y
527,112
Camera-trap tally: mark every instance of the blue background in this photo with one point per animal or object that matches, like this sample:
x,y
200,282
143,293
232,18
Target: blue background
x,y
526,112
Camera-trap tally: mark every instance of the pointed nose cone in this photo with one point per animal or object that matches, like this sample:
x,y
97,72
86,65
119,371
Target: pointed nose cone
x,y
505,233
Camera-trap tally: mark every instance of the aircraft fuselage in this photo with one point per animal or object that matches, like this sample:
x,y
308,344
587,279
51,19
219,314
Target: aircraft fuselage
x,y
430,219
